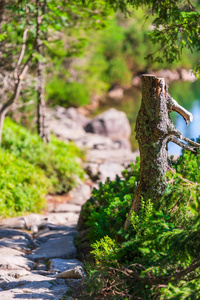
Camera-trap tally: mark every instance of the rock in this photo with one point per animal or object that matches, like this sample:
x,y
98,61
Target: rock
x,y
122,144
61,265
109,170
74,115
136,81
66,123
187,75
111,123
67,130
69,218
116,93
12,233
35,220
33,286
75,273
123,157
92,170
12,259
60,247
17,242
17,223
80,194
66,207
46,234
95,141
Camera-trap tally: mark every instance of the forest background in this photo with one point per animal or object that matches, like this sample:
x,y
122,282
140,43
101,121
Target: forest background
x,y
70,56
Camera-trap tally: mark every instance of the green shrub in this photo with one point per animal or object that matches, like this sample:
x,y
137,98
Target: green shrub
x,y
22,186
66,94
58,159
158,256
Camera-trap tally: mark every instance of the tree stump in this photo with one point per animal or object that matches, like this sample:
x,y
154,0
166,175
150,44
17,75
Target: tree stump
x,y
154,129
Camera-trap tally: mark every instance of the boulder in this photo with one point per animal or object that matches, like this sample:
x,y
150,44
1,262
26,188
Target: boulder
x,y
111,123
60,265
76,273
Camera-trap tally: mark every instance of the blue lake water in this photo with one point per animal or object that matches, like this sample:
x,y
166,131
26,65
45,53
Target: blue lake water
x,y
190,131
187,95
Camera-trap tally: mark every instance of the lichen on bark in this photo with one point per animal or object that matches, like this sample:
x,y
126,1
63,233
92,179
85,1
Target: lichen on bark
x,y
154,130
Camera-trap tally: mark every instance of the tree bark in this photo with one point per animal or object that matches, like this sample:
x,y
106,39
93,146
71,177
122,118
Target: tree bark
x,y
154,129
2,11
41,111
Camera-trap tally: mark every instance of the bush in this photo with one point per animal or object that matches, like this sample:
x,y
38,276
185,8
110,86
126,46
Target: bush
x,y
66,94
158,256
57,159
22,186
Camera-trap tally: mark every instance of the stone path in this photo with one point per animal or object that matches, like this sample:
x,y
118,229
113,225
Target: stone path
x,y
38,258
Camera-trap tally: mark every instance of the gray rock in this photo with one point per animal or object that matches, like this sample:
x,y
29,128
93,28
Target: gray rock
x,y
69,218
116,93
120,156
111,123
80,194
75,273
35,220
12,233
12,259
122,144
61,265
17,242
68,130
46,234
109,170
16,223
92,170
95,141
60,247
73,114
34,286
66,207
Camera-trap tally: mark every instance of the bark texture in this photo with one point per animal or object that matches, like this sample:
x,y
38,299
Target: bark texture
x,y
43,130
154,129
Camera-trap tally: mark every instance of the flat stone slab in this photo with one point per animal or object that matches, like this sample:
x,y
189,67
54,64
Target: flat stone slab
x,y
80,194
17,223
120,156
11,259
11,233
17,242
68,218
66,207
60,247
47,234
32,286
61,265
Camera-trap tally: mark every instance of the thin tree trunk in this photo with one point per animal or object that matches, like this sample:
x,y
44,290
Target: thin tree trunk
x,y
2,11
41,118
41,110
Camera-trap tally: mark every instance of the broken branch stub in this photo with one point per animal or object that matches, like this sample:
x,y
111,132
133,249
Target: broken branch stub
x,y
154,129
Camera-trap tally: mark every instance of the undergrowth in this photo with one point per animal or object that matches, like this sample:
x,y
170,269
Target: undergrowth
x,y
158,256
22,186
58,160
29,169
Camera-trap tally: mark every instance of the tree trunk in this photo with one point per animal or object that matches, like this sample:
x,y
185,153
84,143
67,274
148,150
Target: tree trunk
x,y
41,111
154,129
152,135
2,11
